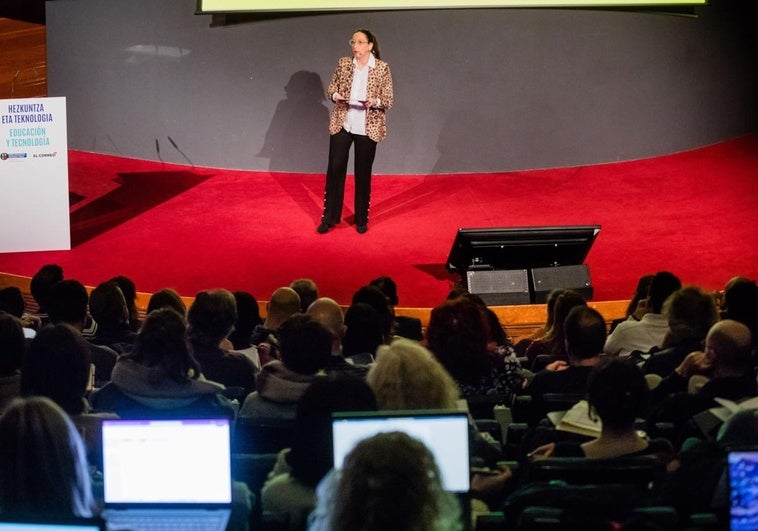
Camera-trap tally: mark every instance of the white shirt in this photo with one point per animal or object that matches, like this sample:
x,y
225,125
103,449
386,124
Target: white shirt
x,y
355,122
639,335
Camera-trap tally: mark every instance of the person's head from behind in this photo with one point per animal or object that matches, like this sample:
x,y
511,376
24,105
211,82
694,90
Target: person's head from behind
x,y
248,313
728,347
364,330
162,344
12,301
458,334
305,344
585,333
306,290
284,303
130,295
68,303
107,306
42,281
564,303
741,304
640,293
388,287
406,375
391,481
43,468
211,317
372,296
167,298
618,393
329,313
550,306
690,313
310,456
12,344
57,365
662,286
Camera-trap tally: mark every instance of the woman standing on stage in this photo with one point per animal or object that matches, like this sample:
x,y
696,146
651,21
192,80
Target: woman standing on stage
x,y
361,90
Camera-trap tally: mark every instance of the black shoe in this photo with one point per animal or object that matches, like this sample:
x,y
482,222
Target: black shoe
x,y
361,228
324,228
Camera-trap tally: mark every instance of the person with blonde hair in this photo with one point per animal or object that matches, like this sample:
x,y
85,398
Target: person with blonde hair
x,y
43,468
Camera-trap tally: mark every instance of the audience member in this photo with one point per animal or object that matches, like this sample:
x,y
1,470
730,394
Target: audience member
x,y
404,326
211,319
160,377
43,468
364,333
690,313
458,336
108,308
40,285
553,344
290,492
68,300
12,350
372,296
284,303
305,348
248,317
130,296
329,313
584,331
167,298
388,481
306,290
540,333
618,394
12,302
638,304
643,335
740,303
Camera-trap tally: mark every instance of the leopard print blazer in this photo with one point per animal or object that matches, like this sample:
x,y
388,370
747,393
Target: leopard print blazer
x,y
379,86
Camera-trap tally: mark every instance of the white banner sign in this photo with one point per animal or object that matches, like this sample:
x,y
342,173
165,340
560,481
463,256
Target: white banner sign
x,y
34,175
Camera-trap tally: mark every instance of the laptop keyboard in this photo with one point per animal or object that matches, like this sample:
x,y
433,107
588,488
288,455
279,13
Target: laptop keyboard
x,y
158,520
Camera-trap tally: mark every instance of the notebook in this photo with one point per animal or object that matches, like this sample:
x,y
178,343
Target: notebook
x,y
74,524
158,471
445,433
743,489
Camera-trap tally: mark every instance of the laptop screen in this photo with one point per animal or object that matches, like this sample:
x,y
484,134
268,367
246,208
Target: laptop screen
x,y
83,524
167,461
743,490
445,434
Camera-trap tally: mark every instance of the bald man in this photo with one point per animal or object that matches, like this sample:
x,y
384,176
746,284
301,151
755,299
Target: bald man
x,y
284,303
329,313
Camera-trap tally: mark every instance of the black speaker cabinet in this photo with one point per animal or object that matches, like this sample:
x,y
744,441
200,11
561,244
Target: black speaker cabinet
x,y
500,287
546,279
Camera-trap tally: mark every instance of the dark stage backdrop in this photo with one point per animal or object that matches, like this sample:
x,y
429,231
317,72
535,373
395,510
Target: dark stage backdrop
x,y
476,90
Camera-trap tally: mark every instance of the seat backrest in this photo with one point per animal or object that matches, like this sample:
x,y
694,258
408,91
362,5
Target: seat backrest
x,y
643,471
262,436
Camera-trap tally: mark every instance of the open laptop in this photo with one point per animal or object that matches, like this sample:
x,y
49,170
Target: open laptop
x,y
40,524
160,471
743,489
445,433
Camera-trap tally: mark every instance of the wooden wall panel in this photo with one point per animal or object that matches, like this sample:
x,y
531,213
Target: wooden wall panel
x,y
23,59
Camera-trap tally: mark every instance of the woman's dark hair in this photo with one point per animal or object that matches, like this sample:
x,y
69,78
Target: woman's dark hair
x,y
618,392
12,301
389,481
211,317
311,454
364,330
643,285
248,317
43,468
167,298
162,343
565,302
57,365
305,344
12,344
457,335
371,38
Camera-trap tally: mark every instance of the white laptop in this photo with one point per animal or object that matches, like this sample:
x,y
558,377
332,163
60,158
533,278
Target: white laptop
x,y
743,489
445,434
157,472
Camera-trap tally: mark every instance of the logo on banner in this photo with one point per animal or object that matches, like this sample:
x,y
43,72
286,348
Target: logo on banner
x,y
6,156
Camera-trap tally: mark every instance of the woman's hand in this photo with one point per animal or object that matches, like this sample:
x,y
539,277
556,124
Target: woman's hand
x,y
542,452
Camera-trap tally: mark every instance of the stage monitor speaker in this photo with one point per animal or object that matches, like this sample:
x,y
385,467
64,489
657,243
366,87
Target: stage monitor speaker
x,y
546,279
500,287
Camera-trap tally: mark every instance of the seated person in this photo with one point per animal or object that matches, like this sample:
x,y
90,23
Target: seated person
x,y
12,302
305,346
161,377
108,308
167,298
327,312
248,317
618,394
389,481
553,343
584,330
290,491
211,319
43,468
12,350
364,333
283,304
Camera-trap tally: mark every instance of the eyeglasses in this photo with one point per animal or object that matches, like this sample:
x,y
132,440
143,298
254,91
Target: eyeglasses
x,y
353,42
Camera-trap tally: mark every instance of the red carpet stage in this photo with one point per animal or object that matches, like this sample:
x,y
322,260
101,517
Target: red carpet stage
x,y
693,213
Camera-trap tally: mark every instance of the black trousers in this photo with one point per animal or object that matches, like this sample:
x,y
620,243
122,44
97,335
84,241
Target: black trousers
x,y
339,152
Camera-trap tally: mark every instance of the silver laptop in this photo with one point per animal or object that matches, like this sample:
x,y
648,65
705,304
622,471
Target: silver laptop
x,y
743,489
161,472
445,434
